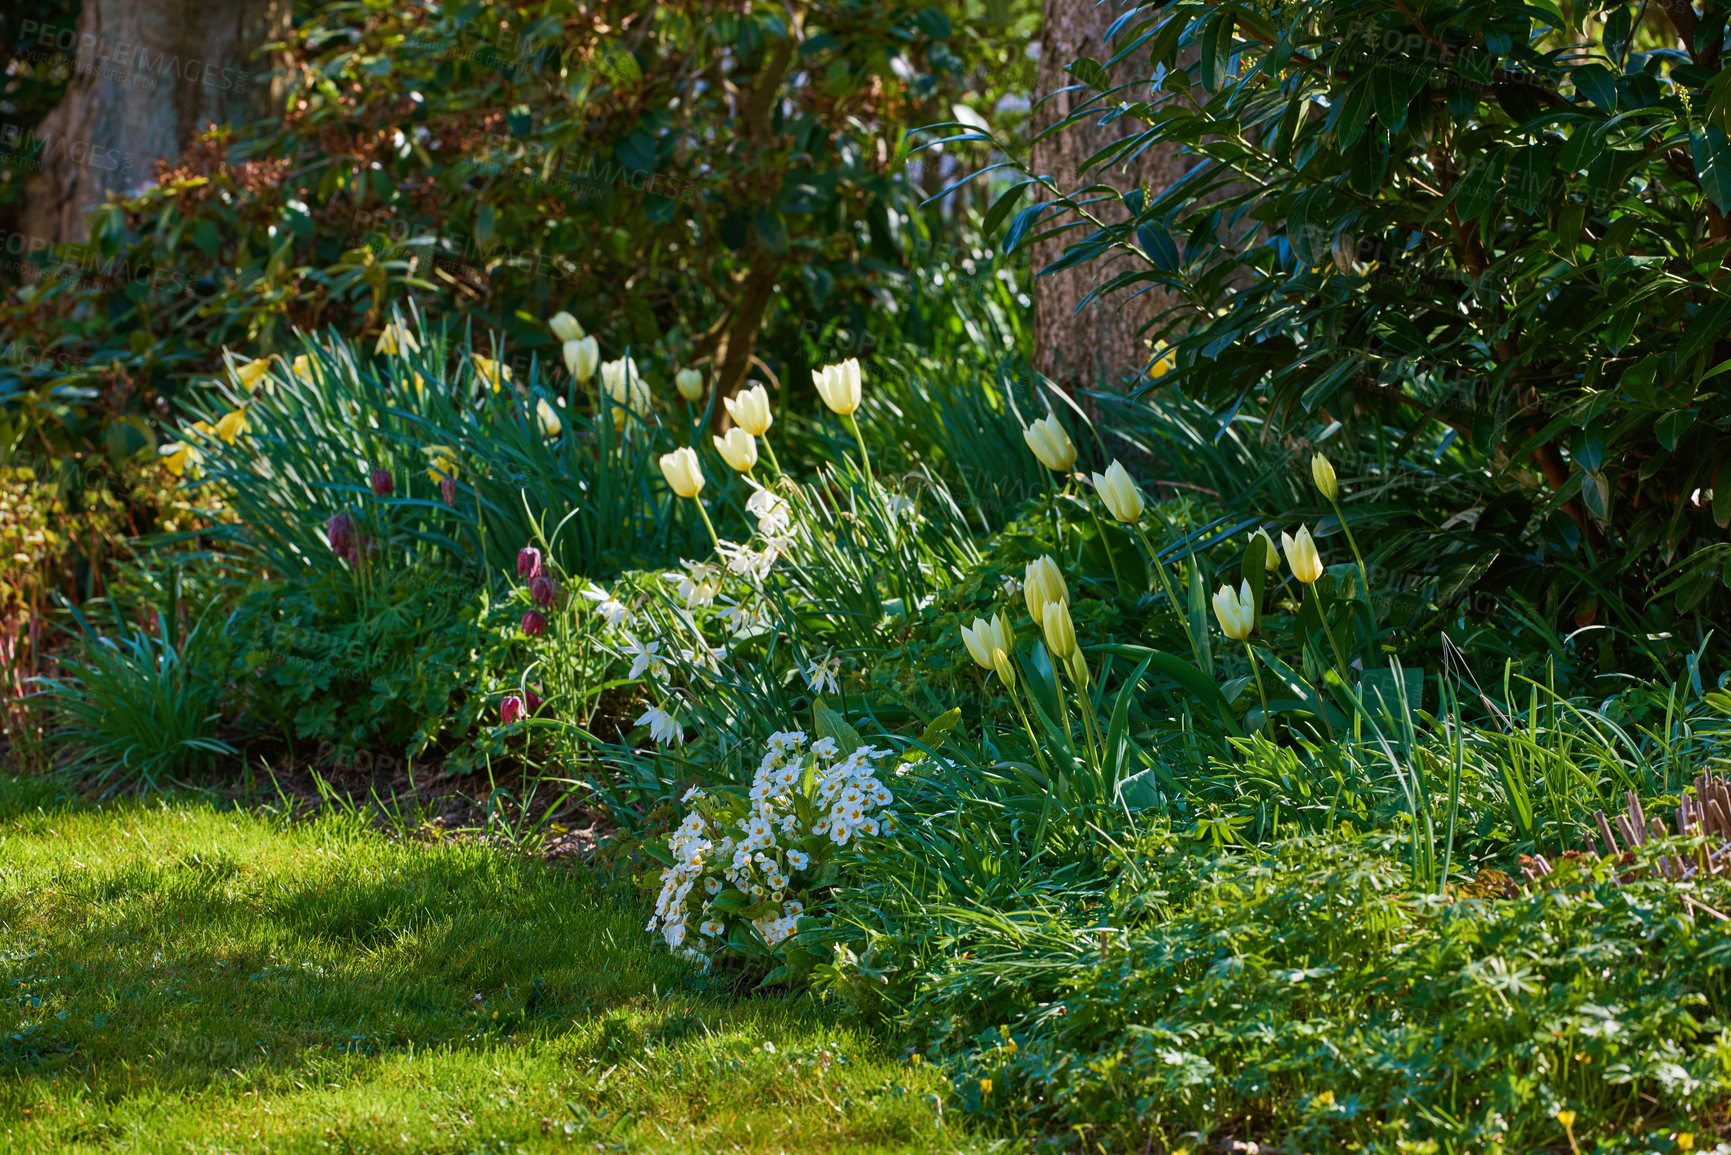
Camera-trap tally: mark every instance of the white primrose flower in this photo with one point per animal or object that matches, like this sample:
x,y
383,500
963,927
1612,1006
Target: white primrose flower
x,y
798,859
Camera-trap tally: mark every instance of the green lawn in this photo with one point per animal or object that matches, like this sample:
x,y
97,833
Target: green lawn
x,y
184,978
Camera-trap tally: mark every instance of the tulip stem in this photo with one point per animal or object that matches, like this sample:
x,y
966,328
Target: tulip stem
x,y
1166,584
1363,578
1333,643
859,439
1090,724
1256,671
707,524
772,461
1039,754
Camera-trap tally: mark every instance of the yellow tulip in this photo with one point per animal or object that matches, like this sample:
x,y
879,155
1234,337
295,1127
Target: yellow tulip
x,y
231,425
986,639
1051,444
395,338
565,327
683,473
1042,583
1302,556
749,409
738,448
1237,612
494,373
839,385
1119,493
1322,472
689,382
547,418
1060,631
581,358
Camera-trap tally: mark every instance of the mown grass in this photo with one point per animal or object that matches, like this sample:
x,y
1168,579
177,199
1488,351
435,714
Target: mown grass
x,y
179,977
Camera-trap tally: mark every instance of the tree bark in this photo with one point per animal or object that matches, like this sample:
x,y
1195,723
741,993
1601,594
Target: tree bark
x,y
149,75
1100,347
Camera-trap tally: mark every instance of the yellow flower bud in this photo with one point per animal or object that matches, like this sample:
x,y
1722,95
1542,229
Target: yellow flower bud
x,y
1002,667
1237,612
1301,555
1322,473
689,382
565,327
1051,444
1060,631
738,448
749,409
1043,583
581,357
1119,493
683,473
547,418
1270,555
838,385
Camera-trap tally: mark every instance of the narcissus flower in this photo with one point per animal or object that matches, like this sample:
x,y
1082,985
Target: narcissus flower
x,y
749,409
838,385
565,327
1043,583
1165,360
1237,612
1322,472
738,448
1060,631
396,338
528,562
1051,444
252,372
1119,493
494,373
581,358
231,425
178,455
303,368
547,418
689,382
1301,555
380,480
444,464
534,623
683,473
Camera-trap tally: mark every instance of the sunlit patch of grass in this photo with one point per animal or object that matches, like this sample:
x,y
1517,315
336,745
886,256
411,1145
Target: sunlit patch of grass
x,y
178,977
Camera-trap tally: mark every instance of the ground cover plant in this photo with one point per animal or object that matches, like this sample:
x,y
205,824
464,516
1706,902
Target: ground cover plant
x,y
1263,755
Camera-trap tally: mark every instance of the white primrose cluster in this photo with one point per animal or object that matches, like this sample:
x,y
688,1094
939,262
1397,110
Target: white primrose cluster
x,y
737,863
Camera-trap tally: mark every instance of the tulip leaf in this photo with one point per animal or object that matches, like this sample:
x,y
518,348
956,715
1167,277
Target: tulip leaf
x,y
1199,614
1255,571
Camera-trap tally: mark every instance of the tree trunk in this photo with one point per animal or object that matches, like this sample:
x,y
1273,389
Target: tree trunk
x,y
1100,347
149,75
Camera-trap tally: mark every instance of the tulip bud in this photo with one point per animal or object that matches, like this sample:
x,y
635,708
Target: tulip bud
x,y
510,709
565,327
1042,583
1119,493
838,385
534,623
1237,612
689,382
683,473
547,418
381,482
448,490
544,590
340,530
581,358
978,640
749,409
529,562
1060,631
738,448
1270,555
1001,666
1051,444
1322,472
1302,556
